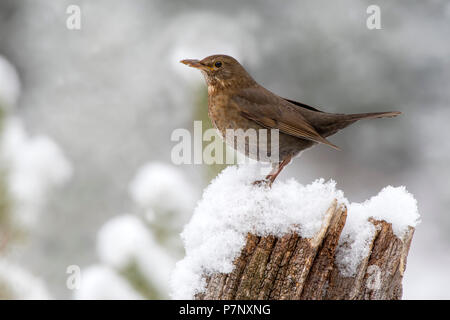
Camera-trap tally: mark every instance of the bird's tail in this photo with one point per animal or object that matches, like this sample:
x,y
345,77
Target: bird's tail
x,y
335,122
373,115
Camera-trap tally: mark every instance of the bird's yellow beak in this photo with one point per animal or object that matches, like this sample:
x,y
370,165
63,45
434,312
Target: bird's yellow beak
x,y
195,64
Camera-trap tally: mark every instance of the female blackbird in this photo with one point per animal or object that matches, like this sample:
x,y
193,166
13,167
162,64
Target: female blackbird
x,y
236,101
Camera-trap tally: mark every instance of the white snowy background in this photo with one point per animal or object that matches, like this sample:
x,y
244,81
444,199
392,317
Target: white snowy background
x,y
87,118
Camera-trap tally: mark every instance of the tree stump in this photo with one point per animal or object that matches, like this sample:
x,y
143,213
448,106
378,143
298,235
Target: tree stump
x,y
292,267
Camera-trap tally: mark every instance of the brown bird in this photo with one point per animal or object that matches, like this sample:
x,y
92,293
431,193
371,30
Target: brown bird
x,y
236,101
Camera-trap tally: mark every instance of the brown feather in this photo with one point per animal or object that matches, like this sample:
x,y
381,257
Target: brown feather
x,y
273,112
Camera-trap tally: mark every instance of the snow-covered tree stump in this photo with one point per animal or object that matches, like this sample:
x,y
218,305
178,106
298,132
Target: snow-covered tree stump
x,y
294,241
292,267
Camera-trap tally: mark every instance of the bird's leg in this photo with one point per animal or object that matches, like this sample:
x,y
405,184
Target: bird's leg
x,y
270,178
274,173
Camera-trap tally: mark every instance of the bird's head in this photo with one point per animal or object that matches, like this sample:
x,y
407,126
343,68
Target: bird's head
x,y
220,70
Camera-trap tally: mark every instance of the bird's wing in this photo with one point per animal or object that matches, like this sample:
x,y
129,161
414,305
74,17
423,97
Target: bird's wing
x,y
302,105
273,112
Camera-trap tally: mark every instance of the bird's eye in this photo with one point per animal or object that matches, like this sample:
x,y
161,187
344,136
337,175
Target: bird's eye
x,y
218,64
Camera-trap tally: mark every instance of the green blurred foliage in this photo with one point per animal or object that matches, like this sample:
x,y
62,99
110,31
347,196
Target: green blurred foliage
x,y
200,113
7,229
164,234
5,205
139,282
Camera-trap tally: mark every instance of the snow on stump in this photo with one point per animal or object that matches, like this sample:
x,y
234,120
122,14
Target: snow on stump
x,y
293,242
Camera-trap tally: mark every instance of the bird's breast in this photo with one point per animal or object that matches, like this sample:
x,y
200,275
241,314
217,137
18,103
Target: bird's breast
x,y
224,115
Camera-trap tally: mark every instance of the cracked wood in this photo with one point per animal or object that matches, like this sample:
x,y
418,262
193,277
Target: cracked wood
x,y
292,267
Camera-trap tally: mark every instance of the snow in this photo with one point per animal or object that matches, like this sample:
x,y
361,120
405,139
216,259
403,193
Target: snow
x,y
34,166
103,283
9,84
17,283
394,205
124,240
164,200
232,206
163,192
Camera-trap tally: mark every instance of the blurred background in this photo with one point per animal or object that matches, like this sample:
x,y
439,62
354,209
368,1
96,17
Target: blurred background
x,y
86,178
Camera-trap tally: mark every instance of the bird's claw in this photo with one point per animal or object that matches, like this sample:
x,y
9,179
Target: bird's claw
x,y
263,183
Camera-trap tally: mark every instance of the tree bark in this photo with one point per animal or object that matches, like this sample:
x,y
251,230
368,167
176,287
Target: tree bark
x,y
292,267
